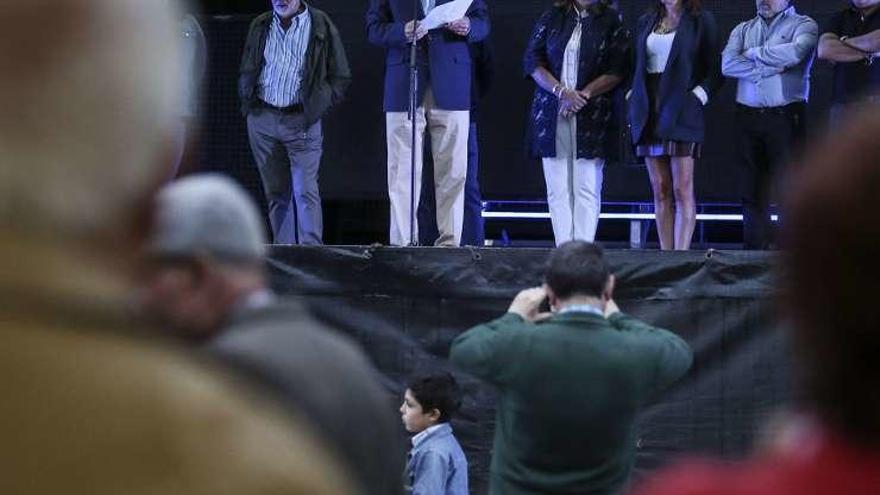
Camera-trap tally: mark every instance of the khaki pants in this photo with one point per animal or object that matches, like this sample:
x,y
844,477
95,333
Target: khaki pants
x,y
449,139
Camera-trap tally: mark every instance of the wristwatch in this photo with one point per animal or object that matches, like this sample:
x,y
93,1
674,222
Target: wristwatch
x,y
869,57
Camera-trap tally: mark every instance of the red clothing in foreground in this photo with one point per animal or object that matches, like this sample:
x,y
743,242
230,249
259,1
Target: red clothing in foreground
x,y
815,463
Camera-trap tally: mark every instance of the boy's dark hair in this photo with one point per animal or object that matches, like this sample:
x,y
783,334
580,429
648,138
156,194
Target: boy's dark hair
x,y
437,391
577,267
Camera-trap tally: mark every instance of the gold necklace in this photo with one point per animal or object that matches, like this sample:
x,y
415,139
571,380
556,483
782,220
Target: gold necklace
x,y
664,28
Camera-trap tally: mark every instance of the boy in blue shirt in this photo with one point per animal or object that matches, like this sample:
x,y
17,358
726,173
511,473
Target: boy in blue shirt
x,y
436,463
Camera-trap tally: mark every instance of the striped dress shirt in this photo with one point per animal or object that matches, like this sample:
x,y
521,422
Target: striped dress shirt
x,y
281,80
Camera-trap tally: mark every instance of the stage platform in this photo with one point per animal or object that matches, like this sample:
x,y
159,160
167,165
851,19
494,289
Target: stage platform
x,y
405,306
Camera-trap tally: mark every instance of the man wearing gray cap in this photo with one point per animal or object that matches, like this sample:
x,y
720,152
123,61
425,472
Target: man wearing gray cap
x,y
207,282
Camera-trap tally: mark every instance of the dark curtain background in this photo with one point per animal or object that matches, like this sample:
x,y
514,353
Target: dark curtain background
x,y
405,306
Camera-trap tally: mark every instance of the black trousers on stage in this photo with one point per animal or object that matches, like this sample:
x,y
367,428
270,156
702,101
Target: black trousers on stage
x,y
767,138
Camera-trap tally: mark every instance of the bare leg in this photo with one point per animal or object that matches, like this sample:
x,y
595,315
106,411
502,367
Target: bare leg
x,y
685,202
661,184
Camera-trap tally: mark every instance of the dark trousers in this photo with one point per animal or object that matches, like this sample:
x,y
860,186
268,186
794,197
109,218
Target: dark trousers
x,y
288,155
472,230
767,137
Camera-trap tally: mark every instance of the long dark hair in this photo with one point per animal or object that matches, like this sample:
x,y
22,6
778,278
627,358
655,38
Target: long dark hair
x,y
597,8
692,6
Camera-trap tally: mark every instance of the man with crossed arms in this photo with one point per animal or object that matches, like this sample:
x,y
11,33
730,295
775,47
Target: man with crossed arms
x,y
851,41
770,56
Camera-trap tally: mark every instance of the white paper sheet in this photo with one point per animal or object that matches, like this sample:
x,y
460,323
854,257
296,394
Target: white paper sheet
x,y
446,13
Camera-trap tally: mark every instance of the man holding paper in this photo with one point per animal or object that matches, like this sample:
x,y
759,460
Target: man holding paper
x,y
444,92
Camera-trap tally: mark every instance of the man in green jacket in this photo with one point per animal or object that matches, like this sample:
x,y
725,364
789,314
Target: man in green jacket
x,y
293,70
571,381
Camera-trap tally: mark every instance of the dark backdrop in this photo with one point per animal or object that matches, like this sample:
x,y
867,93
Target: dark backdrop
x,y
353,168
405,306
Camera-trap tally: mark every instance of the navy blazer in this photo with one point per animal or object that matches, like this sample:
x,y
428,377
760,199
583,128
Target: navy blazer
x,y
695,60
445,60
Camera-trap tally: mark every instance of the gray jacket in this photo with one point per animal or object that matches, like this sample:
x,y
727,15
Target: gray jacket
x,y
326,379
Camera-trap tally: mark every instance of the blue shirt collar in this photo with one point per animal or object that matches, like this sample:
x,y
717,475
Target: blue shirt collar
x,y
582,308
423,436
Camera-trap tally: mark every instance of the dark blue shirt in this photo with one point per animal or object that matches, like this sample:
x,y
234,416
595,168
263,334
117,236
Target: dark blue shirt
x,y
853,80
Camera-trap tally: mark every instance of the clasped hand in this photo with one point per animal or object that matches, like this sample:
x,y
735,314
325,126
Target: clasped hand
x,y
572,102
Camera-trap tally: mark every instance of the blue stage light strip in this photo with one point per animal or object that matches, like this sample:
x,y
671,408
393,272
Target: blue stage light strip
x,y
526,215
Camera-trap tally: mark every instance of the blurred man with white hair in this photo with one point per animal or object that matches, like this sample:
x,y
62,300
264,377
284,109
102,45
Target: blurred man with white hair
x,y
90,405
206,280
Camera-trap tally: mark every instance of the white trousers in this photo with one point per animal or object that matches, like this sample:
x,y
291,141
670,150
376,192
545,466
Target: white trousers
x,y
574,187
449,140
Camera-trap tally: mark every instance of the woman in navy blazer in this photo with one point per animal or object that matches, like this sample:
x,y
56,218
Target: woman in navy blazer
x,y
677,70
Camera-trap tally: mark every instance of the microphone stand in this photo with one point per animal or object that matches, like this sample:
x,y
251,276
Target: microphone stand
x,y
413,106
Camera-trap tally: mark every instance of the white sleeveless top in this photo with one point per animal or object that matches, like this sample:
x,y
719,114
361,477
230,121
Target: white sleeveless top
x,y
659,46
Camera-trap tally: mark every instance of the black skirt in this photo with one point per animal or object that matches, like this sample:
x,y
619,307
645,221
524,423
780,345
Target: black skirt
x,y
650,145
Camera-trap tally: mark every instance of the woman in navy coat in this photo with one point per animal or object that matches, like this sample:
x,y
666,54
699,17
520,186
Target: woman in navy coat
x,y
677,71
578,55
